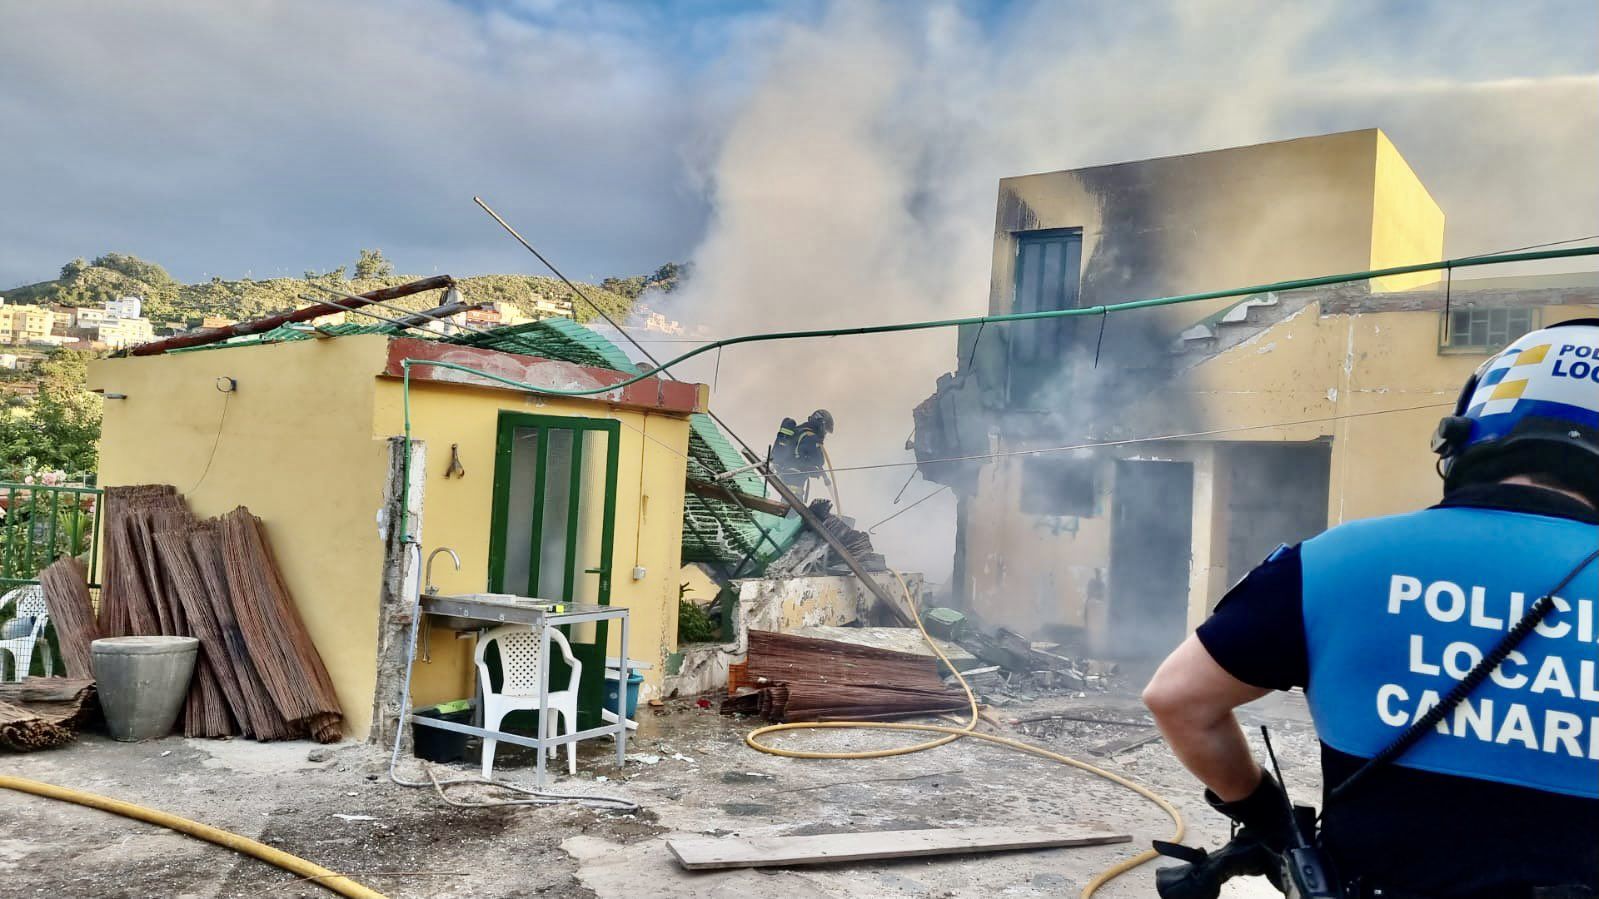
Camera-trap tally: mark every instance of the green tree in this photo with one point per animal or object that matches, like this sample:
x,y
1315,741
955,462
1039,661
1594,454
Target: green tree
x,y
373,265
73,269
669,276
59,427
135,268
627,287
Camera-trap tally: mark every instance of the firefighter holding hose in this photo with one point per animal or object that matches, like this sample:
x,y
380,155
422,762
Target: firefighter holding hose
x,y
797,453
1448,660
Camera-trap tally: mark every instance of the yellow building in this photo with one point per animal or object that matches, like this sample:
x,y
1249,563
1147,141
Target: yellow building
x,y
1300,410
26,324
582,499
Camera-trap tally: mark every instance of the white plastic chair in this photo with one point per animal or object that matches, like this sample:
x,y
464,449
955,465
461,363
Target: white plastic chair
x,y
29,601
519,688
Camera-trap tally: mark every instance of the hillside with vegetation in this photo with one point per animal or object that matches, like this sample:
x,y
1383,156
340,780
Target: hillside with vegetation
x,y
114,275
51,426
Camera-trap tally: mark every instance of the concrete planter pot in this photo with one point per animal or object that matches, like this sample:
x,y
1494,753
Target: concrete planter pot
x,y
142,682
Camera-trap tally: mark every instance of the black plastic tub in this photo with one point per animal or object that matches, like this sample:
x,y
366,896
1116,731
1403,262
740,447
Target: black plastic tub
x,y
435,745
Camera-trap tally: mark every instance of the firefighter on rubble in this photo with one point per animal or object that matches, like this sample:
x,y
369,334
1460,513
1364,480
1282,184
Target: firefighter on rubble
x,y
1379,620
797,454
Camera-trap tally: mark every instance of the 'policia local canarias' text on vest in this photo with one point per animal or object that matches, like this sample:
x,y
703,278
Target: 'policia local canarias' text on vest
x,y
1399,609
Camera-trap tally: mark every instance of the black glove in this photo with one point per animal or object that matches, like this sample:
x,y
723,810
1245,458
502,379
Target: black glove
x,y
1263,813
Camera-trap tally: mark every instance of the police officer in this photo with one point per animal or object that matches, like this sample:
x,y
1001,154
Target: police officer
x,y
1377,619
797,451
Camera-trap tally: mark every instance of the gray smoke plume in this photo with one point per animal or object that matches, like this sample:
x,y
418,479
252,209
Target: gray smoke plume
x,y
857,182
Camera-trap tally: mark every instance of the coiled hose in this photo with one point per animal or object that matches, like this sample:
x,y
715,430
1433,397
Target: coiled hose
x,y
338,883
969,729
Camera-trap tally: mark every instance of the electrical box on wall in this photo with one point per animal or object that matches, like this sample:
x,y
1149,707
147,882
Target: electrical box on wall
x,y
638,572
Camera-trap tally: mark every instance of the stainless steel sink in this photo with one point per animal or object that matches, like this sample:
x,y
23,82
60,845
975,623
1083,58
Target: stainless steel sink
x,y
474,611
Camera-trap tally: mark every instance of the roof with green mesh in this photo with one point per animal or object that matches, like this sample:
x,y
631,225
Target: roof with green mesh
x,y
552,338
714,530
293,332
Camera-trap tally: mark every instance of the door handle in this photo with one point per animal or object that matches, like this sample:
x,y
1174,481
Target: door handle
x,y
595,571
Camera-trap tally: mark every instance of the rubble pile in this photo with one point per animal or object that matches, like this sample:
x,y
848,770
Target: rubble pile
x,y
1014,667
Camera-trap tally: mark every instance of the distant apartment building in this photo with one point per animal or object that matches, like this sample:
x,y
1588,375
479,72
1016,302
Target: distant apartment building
x,y
87,319
125,307
217,321
495,315
125,332
111,325
544,307
650,320
26,324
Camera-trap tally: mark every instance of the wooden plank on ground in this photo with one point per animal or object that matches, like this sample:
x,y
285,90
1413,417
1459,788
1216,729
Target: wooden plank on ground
x,y
1124,744
699,854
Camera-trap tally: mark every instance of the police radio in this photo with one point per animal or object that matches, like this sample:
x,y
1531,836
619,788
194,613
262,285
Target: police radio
x,y
1307,872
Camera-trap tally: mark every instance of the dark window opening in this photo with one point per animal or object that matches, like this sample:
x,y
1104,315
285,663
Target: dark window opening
x,y
1048,269
1059,486
1489,330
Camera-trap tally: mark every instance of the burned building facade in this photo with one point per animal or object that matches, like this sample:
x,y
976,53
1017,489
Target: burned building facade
x,y
1273,416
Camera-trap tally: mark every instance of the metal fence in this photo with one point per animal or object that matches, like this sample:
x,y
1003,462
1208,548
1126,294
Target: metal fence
x,y
42,523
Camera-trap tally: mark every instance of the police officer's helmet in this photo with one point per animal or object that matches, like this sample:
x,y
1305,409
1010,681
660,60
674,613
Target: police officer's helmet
x,y
1532,409
824,419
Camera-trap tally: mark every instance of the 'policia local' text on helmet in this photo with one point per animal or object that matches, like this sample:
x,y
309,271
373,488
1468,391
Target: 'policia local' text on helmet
x,y
1531,409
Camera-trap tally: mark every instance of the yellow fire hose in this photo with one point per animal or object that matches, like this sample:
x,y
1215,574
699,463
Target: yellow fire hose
x,y
338,883
951,734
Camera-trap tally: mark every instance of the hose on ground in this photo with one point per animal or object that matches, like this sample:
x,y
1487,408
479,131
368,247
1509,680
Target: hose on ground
x,y
338,883
969,729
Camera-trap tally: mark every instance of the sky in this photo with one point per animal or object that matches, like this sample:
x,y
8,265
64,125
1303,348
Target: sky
x,y
819,162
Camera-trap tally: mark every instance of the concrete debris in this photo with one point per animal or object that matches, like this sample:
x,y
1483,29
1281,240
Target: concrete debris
x,y
810,553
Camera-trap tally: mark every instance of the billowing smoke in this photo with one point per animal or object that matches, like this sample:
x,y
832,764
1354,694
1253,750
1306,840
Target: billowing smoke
x,y
856,183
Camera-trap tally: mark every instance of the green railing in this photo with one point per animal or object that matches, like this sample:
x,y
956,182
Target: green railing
x,y
43,523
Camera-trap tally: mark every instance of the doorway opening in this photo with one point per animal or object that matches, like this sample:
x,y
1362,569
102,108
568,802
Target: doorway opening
x,y
1151,548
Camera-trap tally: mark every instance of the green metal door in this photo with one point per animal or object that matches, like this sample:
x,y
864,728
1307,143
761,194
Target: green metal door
x,y
554,525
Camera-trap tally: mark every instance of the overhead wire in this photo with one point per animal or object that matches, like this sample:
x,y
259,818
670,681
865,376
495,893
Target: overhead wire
x,y
1154,438
941,489
663,368
949,734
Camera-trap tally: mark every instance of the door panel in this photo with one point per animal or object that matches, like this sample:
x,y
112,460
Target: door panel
x,y
553,527
554,508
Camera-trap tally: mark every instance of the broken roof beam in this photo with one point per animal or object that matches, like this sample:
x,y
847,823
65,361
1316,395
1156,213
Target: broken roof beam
x,y
257,326
758,503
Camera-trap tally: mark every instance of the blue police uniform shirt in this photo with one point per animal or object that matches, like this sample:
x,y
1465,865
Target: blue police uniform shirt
x,y
1377,620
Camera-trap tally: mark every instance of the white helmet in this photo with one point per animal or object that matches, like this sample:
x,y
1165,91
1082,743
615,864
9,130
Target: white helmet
x,y
1531,409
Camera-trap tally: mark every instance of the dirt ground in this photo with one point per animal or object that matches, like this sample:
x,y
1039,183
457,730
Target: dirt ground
x,y
689,770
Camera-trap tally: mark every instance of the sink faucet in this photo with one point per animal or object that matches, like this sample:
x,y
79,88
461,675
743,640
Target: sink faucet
x,y
428,571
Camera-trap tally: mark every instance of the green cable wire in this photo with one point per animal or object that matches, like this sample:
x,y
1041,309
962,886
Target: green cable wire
x,y
1274,287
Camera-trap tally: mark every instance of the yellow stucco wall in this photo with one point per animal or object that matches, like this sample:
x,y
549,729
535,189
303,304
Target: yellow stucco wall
x,y
1407,225
1226,218
1032,568
304,446
457,511
296,447
701,587
1205,221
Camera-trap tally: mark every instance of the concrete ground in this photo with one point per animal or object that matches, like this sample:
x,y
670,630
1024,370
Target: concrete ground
x,y
689,769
